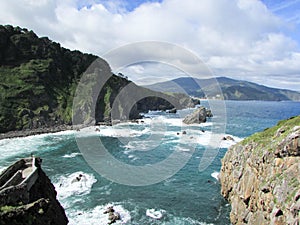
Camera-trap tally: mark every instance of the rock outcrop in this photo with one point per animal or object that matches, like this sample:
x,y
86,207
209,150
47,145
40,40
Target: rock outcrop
x,y
198,116
33,202
260,176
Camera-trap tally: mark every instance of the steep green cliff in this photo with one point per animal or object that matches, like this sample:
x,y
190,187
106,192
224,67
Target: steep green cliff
x,y
38,80
260,176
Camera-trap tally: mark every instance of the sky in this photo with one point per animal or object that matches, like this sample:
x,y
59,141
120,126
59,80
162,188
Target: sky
x,y
253,40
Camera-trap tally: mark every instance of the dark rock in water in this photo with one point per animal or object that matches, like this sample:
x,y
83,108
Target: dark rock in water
x,y
184,132
110,209
174,110
209,113
228,138
113,216
198,116
33,202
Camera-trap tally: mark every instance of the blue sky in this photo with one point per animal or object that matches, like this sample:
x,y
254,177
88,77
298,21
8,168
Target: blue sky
x,y
289,11
253,40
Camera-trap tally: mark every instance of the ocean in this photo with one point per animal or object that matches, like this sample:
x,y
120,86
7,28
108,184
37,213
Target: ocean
x,y
156,171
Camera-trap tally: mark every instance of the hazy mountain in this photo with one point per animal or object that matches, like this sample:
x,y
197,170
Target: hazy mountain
x,y
231,89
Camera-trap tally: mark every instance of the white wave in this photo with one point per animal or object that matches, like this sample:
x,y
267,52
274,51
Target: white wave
x,y
72,155
131,156
106,190
215,175
96,216
207,139
155,214
184,221
26,145
67,186
143,145
228,143
182,149
2,169
123,130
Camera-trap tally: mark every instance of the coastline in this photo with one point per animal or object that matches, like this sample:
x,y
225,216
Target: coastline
x,y
45,130
36,131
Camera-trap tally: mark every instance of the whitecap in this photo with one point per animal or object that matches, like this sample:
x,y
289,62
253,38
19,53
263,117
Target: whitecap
x,y
215,175
131,156
183,221
72,155
229,143
155,214
67,186
96,216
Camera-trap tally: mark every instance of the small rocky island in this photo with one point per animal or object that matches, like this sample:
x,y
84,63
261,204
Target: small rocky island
x,y
260,176
198,116
27,196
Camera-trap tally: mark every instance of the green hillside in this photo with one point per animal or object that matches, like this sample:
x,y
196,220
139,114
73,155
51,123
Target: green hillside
x,y
38,79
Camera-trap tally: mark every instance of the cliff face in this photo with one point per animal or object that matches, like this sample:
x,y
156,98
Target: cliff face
x,y
39,78
260,176
35,206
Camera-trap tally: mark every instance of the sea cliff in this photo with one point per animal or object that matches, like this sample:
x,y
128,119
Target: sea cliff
x,y
260,176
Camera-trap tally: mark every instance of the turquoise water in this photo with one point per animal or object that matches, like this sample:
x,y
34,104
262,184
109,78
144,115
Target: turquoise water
x,y
189,196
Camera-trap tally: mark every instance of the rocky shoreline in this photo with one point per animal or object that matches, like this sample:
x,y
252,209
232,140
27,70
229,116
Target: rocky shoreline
x,y
260,176
37,131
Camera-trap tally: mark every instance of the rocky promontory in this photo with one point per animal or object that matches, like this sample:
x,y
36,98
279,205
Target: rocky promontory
x,y
27,196
260,176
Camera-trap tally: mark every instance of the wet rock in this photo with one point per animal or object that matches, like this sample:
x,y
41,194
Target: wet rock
x,y
174,110
198,116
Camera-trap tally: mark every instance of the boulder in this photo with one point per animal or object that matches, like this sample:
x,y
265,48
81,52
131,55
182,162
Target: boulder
x,y
198,116
174,110
228,138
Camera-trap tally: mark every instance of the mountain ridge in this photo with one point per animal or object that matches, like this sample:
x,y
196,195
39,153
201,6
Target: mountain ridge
x,y
230,89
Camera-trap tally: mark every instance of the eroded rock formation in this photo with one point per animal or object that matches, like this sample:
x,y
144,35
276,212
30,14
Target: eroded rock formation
x,y
260,177
198,116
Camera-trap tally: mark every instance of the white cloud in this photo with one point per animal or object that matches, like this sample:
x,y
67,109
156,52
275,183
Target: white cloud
x,y
237,38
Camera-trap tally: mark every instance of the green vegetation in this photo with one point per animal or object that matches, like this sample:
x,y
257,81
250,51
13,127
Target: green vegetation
x,y
38,79
7,208
107,100
263,138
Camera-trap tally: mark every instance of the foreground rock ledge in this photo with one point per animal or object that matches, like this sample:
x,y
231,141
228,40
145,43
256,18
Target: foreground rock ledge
x,y
260,177
27,196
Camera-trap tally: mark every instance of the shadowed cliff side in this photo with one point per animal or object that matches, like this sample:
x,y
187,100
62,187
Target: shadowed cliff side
x,y
260,176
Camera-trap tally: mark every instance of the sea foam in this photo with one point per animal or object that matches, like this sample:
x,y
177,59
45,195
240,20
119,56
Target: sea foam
x,y
96,216
67,186
216,175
